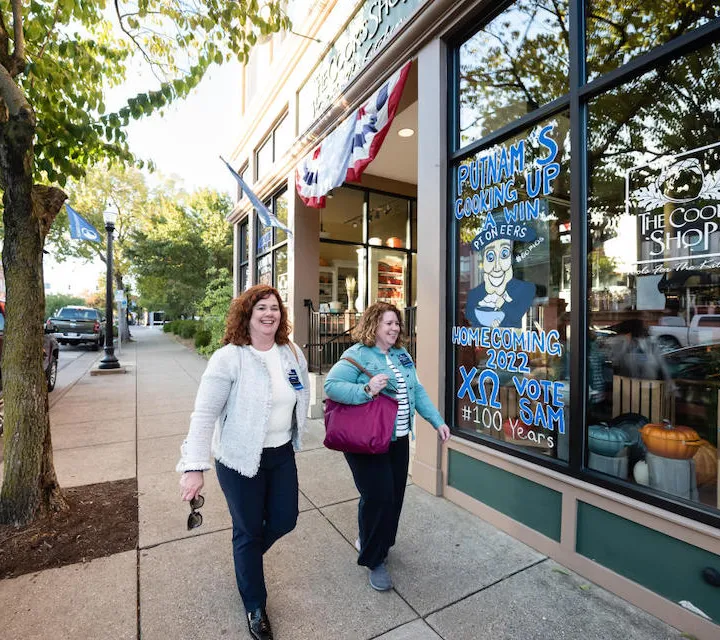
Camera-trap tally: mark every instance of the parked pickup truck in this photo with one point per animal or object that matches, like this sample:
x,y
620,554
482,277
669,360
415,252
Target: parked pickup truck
x,y
78,325
671,332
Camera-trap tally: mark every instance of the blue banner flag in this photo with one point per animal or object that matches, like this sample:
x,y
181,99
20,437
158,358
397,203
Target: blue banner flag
x,y
81,229
266,216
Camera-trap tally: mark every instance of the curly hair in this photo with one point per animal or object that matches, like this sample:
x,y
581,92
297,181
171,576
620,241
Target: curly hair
x,y
365,330
237,325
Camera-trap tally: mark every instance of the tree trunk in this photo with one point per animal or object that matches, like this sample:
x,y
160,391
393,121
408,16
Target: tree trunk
x,y
123,328
30,485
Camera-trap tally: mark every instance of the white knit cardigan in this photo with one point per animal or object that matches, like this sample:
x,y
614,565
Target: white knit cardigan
x,y
232,410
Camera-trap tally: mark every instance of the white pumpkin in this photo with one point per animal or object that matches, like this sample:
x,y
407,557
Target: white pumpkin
x,y
641,473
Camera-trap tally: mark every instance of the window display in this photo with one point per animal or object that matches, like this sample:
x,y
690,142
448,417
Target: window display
x,y
654,303
511,205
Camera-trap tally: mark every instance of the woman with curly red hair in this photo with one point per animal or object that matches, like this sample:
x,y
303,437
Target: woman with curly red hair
x,y
380,478
250,414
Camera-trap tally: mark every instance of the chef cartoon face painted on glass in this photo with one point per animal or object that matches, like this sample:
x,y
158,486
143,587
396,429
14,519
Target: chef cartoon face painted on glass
x,y
497,265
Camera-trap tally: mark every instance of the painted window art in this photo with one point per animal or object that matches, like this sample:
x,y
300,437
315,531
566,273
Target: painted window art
x,y
512,301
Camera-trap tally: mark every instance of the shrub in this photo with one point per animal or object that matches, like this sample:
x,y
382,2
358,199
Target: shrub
x,y
169,327
202,338
187,328
214,307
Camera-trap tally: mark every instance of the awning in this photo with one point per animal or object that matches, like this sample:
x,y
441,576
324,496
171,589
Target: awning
x,y
346,152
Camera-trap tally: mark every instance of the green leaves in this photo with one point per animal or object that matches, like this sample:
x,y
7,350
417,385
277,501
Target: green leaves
x,y
77,51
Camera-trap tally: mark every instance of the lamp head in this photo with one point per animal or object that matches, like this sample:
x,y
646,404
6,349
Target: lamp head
x,y
110,216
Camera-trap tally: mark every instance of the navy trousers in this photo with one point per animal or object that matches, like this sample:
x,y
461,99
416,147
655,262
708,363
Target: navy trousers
x,y
263,508
381,480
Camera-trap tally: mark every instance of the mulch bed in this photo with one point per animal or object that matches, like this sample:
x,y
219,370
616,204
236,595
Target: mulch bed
x,y
102,519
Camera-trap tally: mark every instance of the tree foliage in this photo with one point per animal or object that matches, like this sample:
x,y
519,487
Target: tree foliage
x,y
58,60
172,251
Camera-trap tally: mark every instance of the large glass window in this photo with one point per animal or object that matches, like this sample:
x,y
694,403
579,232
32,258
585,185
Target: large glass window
x,y
620,30
244,256
654,205
510,336
271,262
512,65
274,146
365,245
645,295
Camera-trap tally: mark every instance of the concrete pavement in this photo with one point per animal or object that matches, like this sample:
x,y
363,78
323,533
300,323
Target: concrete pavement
x,y
456,577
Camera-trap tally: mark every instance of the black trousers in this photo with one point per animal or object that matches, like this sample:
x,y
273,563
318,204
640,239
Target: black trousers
x,y
263,508
381,480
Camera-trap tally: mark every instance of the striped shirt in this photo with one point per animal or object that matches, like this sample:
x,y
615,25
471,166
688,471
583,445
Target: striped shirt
x,y
402,425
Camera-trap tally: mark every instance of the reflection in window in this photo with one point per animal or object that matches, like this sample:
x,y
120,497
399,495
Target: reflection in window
x,y
654,208
511,330
620,30
513,65
264,270
281,272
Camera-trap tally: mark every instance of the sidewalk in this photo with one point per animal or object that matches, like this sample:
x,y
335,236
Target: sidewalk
x,y
456,577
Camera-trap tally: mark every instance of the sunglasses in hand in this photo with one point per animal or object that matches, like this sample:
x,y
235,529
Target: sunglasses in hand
x,y
195,518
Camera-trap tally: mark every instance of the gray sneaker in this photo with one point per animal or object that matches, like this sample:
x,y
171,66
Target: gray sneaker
x,y
380,579
357,544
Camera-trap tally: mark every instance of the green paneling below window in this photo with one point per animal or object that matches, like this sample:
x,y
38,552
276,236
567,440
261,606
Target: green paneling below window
x,y
532,504
666,565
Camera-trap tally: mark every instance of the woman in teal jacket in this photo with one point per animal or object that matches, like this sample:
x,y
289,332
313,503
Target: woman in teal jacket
x,y
381,478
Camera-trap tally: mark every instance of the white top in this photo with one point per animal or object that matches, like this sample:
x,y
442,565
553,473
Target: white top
x,y
279,429
402,424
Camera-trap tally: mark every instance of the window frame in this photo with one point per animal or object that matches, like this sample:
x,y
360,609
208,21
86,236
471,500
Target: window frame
x,y
275,244
407,251
576,101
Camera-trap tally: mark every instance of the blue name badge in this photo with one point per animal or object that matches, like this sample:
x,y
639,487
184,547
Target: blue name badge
x,y
294,380
405,360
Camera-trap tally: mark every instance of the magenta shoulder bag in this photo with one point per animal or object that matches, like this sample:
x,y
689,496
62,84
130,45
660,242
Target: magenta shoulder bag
x,y
360,428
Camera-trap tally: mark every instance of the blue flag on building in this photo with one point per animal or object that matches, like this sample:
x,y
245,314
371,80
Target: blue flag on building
x,y
81,229
266,216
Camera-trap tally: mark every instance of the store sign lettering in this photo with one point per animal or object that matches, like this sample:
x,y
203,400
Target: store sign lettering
x,y
491,179
365,35
676,199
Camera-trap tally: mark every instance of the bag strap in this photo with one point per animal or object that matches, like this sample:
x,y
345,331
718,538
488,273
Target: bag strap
x,y
292,348
358,365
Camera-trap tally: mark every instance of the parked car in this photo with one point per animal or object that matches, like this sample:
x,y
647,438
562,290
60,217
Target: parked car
x,y
51,352
671,332
78,325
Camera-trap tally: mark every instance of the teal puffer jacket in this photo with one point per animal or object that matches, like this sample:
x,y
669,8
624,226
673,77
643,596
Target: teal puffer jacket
x,y
344,382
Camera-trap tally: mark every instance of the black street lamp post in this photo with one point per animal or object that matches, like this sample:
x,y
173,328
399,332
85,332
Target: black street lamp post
x,y
109,361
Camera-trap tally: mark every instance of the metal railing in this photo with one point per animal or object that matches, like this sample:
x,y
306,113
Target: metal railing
x,y
329,335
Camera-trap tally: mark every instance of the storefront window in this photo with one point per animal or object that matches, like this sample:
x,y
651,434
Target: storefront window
x,y
264,270
343,216
511,329
364,238
513,65
388,221
244,281
281,272
341,277
388,277
620,30
654,301
272,247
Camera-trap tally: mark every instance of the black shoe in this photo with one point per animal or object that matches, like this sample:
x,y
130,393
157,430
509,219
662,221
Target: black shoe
x,y
259,625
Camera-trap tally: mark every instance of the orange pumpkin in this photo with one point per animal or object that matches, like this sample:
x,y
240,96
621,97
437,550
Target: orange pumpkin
x,y
669,441
706,463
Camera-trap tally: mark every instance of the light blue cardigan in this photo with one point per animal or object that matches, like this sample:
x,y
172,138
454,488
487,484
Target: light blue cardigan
x,y
344,382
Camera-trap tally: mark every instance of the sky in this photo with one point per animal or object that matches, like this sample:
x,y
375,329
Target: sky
x,y
186,141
